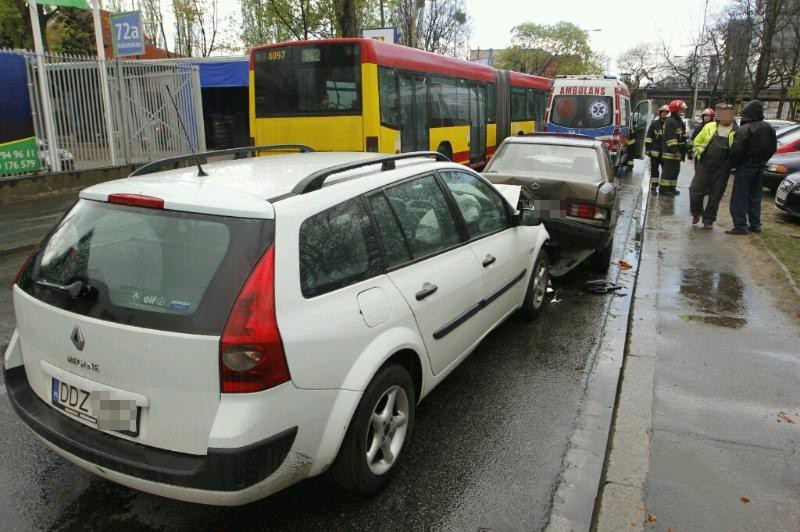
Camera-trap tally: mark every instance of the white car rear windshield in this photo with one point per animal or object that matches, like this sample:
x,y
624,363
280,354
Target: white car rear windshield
x,y
576,163
165,270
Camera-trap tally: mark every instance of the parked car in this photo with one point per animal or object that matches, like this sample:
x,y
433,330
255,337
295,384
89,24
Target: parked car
x,y
572,177
66,157
789,141
779,124
787,197
778,167
216,339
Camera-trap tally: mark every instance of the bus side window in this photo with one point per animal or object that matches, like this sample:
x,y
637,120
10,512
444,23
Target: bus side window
x,y
491,103
462,102
443,101
389,98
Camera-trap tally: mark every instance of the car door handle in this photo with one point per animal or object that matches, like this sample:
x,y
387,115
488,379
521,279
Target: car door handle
x,y
488,261
427,289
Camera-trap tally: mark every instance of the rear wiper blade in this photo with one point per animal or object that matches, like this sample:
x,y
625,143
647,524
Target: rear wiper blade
x,y
73,289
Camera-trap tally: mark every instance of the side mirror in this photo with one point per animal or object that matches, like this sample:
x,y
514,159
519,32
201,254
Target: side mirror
x,y
529,217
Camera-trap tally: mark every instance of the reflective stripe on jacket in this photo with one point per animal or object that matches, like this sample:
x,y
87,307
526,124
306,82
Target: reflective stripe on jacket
x,y
674,141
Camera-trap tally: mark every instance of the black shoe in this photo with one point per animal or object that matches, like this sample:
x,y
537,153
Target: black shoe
x,y
755,229
695,219
736,231
676,192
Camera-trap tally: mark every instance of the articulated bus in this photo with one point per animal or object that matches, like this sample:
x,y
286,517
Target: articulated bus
x,y
368,95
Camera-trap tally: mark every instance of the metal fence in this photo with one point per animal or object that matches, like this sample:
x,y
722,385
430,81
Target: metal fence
x,y
145,121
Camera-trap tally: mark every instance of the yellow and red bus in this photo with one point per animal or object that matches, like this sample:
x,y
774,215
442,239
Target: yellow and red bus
x,y
367,95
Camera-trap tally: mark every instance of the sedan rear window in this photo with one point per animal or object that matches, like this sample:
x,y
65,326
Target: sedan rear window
x,y
164,270
577,163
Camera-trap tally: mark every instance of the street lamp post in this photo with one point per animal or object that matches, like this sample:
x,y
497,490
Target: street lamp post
x,y
698,53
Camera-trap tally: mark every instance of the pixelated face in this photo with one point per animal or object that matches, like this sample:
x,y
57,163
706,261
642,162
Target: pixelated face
x,y
725,116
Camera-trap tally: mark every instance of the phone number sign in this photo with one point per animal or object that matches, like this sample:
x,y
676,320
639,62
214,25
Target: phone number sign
x,y
19,156
126,34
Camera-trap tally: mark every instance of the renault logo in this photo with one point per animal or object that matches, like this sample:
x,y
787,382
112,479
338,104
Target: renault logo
x,y
534,186
77,338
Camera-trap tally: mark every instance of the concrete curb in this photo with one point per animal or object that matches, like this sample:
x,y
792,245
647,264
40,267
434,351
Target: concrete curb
x,y
582,469
620,503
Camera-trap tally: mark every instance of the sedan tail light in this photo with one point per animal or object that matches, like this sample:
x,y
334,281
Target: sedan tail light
x,y
251,350
582,210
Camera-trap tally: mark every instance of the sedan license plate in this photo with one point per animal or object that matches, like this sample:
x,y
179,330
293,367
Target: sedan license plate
x,y
97,408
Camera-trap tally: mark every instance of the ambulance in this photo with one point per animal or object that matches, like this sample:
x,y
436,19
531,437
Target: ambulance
x,y
599,107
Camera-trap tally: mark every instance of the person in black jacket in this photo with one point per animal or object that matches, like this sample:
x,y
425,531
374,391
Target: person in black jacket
x,y
753,145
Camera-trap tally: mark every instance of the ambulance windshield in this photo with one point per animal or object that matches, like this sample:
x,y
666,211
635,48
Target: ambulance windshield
x,y
582,111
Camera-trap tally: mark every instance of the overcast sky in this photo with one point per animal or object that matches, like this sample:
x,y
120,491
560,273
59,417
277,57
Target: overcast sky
x,y
622,23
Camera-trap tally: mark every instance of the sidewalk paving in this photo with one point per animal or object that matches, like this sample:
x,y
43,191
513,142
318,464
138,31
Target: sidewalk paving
x,y
707,428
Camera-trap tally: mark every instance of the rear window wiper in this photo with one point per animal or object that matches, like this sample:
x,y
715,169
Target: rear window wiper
x,y
74,289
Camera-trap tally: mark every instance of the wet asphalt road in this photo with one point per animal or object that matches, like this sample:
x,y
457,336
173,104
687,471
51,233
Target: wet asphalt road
x,y
486,454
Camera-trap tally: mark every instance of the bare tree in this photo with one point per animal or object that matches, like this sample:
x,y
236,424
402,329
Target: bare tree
x,y
197,24
638,64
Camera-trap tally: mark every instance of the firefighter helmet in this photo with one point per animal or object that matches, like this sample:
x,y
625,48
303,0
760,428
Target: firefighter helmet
x,y
663,109
676,106
708,111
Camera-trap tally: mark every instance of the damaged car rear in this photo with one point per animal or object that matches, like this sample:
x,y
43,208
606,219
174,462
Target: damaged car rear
x,y
569,180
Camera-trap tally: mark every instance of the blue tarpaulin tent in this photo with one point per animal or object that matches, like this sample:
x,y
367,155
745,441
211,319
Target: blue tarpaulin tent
x,y
224,74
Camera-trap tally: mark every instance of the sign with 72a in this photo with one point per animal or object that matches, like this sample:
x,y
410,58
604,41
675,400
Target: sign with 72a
x,y
126,34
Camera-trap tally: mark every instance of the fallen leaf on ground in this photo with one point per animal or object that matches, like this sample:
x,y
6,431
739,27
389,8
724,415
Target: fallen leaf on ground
x,y
624,265
650,518
744,499
783,416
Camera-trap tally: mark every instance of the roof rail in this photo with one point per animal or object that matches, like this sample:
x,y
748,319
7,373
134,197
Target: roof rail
x,y
315,181
155,166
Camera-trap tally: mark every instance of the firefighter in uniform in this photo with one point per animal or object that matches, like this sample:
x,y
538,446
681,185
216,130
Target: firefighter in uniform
x,y
652,145
673,149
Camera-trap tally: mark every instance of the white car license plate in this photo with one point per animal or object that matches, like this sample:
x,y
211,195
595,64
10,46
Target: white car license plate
x,y
781,195
97,408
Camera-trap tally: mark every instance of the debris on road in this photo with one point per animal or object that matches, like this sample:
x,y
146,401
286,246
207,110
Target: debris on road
x,y
624,265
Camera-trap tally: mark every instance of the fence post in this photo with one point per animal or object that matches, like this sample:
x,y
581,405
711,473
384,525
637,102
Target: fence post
x,y
44,89
101,59
122,100
197,96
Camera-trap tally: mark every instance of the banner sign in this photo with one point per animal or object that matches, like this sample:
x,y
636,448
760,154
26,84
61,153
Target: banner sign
x,y
19,156
381,34
126,34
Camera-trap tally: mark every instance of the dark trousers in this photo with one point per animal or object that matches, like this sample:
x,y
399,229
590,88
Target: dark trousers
x,y
746,197
655,162
710,182
669,173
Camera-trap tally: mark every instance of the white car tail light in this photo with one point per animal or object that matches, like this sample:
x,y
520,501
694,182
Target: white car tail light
x,y
251,350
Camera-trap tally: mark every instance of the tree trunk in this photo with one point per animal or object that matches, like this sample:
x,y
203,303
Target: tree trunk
x,y
348,24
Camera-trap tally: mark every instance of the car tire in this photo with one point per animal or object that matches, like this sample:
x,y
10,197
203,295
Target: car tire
x,y
536,293
377,428
600,260
445,150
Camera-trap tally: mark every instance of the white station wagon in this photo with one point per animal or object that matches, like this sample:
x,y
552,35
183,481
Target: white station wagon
x,y
216,338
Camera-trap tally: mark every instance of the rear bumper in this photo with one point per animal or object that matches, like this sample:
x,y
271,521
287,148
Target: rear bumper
x,y
221,470
575,234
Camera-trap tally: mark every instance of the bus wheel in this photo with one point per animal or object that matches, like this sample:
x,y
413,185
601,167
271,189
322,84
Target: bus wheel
x,y
445,149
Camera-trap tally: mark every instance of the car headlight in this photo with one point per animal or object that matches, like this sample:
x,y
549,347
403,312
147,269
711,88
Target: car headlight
x,y
777,168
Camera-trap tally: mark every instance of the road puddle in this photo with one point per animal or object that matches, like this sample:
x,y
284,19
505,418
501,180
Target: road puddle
x,y
717,296
719,321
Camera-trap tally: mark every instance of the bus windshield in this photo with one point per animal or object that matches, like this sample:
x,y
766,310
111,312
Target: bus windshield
x,y
582,111
308,80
